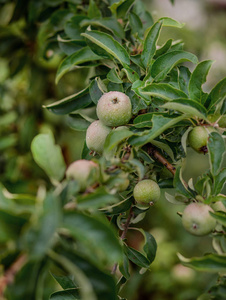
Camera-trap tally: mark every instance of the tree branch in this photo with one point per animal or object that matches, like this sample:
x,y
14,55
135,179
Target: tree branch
x,y
10,274
152,151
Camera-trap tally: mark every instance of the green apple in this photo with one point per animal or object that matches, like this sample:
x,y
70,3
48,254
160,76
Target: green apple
x,y
197,220
198,138
114,109
85,172
146,191
96,135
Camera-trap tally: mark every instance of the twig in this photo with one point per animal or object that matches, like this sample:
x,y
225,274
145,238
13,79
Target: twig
x,y
154,153
123,235
126,225
10,274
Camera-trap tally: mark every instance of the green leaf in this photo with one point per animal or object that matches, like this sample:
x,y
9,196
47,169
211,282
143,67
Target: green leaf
x,y
160,124
216,149
28,281
220,216
137,167
115,137
217,94
124,8
131,74
150,246
8,118
198,78
79,57
71,103
113,76
109,23
164,91
111,46
102,282
93,10
136,257
171,22
95,90
144,120
114,4
124,267
219,181
118,208
135,24
39,237
59,18
73,29
78,122
65,281
136,87
48,156
165,147
68,294
98,199
166,62
164,48
187,106
209,263
184,77
8,141
69,47
85,287
179,184
143,14
96,234
150,43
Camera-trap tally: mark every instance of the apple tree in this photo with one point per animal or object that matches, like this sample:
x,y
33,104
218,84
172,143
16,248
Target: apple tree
x,y
143,106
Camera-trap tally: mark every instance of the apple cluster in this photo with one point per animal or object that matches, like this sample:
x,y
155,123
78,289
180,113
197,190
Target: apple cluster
x,y
113,109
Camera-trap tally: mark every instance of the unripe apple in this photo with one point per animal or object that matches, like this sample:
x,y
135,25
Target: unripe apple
x,y
96,135
146,191
85,172
114,109
198,138
197,220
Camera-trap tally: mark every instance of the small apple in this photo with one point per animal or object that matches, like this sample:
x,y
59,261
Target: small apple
x,y
96,135
146,191
85,172
197,220
114,109
198,138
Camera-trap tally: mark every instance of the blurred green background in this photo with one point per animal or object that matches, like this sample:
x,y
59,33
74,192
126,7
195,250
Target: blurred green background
x,y
27,81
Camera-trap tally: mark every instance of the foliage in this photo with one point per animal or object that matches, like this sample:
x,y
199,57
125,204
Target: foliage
x,y
81,237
